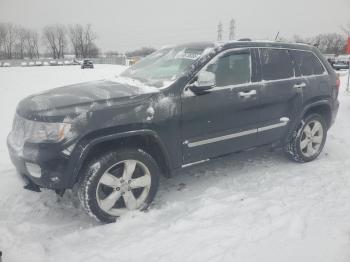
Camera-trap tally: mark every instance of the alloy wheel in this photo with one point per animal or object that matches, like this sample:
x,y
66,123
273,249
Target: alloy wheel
x,y
311,138
124,186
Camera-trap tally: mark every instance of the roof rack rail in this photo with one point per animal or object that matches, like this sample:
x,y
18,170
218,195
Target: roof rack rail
x,y
245,39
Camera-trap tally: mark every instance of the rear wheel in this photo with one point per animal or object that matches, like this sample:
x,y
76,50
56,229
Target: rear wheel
x,y
118,182
307,141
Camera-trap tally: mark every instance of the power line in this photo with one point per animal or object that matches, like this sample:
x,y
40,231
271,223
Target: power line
x,y
232,30
220,31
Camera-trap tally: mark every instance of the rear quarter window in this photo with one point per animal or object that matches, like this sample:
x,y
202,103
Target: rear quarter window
x,y
306,63
276,64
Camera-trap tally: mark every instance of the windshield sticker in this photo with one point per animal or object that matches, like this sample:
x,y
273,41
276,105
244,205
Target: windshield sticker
x,y
188,55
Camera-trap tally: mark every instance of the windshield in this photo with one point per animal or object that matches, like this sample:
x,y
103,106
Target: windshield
x,y
163,67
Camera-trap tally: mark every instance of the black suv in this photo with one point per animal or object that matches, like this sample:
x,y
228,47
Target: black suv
x,y
87,64
180,106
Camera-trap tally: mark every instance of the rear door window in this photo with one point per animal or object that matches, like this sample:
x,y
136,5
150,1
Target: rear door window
x,y
276,64
306,63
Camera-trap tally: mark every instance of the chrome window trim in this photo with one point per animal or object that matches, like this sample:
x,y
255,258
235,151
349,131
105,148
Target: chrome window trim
x,y
186,90
294,49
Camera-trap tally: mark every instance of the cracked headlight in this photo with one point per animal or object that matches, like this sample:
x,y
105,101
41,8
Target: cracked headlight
x,y
47,132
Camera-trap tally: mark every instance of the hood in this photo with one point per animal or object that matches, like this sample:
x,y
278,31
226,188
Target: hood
x,y
55,104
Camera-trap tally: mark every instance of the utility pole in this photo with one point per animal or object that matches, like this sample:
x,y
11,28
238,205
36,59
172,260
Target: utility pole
x,y
219,31
232,30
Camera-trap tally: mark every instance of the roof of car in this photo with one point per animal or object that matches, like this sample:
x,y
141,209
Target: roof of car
x,y
247,43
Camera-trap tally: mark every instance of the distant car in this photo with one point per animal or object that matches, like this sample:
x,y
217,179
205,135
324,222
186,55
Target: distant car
x,y
46,63
341,62
53,63
38,63
6,64
67,62
87,64
60,63
24,64
341,65
31,63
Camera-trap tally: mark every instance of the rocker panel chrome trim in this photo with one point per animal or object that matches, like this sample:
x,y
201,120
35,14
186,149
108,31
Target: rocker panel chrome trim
x,y
284,122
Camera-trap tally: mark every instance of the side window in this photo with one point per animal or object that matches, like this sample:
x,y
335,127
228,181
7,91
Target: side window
x,y
306,63
231,69
276,64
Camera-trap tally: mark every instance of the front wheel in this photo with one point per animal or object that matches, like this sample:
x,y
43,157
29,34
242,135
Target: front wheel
x,y
307,141
117,182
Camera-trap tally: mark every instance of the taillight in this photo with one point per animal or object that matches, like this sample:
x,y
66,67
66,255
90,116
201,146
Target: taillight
x,y
337,82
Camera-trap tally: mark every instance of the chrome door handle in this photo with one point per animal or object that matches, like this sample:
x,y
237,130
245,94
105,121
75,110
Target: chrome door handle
x,y
301,85
247,94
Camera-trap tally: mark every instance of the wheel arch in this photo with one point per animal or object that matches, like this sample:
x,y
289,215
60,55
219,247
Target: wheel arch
x,y
146,140
322,108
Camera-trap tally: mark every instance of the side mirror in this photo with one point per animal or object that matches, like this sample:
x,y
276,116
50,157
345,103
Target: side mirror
x,y
205,81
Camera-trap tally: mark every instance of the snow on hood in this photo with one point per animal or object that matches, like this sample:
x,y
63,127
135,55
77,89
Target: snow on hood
x,y
81,97
142,86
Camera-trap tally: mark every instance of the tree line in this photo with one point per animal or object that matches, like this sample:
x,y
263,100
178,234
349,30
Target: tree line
x,y
56,40
331,43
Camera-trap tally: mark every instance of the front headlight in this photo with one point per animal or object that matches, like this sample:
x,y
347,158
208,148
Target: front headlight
x,y
47,132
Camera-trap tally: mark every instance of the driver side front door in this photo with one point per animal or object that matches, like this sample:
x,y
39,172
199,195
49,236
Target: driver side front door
x,y
224,119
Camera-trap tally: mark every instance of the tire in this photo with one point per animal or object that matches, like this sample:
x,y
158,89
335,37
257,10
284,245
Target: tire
x,y
129,178
302,146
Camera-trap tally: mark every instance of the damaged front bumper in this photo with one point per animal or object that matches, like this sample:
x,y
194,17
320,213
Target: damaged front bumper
x,y
41,165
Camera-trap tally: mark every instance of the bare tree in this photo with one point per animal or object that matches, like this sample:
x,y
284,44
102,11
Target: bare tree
x,y
90,47
2,39
21,42
54,36
346,29
9,35
75,33
32,44
83,40
330,43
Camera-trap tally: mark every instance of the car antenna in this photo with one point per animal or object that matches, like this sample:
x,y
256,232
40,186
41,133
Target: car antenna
x,y
278,33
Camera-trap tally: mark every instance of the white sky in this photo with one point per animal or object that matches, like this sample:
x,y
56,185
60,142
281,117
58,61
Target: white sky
x,y
128,24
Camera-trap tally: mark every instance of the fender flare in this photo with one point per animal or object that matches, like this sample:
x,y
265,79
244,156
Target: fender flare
x,y
314,104
83,149
300,116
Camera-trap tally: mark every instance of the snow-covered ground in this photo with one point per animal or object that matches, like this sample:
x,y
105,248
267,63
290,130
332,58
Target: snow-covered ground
x,y
254,206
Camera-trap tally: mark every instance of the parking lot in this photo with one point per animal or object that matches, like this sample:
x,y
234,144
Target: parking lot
x,y
245,207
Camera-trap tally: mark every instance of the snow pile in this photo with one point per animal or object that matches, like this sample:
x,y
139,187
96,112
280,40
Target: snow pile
x,y
254,206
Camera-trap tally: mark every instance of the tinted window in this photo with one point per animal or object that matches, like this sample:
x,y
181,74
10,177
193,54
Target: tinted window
x,y
276,64
231,69
306,63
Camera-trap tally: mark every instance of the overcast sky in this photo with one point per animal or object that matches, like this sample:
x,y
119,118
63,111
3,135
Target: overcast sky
x,y
128,24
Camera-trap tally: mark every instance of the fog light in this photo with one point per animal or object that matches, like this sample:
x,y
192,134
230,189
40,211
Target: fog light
x,y
33,169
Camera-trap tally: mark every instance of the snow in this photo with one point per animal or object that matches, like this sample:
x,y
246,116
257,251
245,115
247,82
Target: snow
x,y
143,88
150,113
253,206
